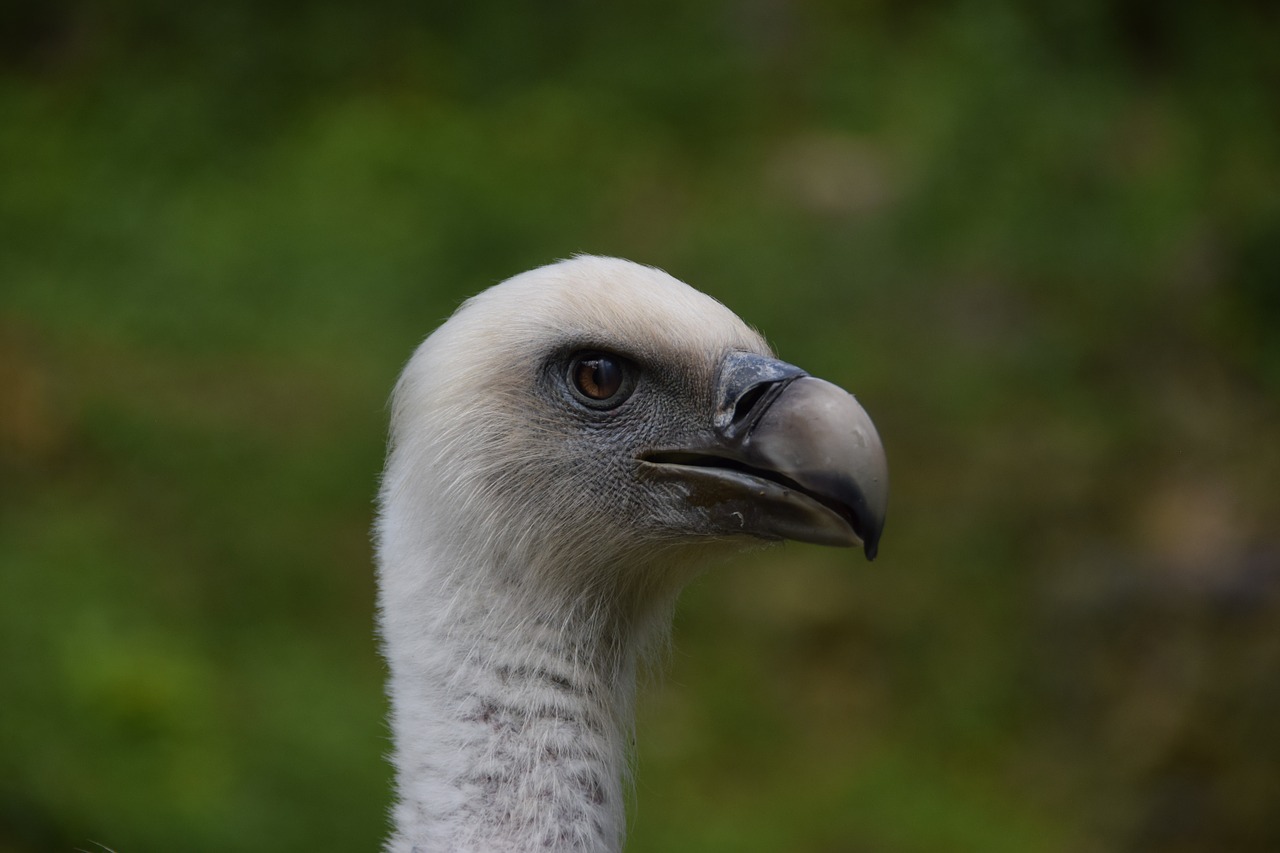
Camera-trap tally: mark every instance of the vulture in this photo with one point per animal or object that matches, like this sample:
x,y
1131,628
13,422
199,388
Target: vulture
x,y
566,451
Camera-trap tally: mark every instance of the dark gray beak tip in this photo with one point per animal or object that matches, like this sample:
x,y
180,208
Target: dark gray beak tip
x,y
868,523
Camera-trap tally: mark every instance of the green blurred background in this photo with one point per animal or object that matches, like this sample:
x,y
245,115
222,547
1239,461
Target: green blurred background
x,y
1040,241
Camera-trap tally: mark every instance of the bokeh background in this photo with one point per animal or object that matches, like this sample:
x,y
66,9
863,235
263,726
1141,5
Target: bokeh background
x,y
1040,241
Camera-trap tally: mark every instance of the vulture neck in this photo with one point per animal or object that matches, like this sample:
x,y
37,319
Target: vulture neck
x,y
512,701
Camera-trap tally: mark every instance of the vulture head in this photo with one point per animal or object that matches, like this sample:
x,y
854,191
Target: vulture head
x,y
566,450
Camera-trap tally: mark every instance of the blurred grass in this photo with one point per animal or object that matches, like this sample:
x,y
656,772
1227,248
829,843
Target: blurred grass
x,y
1043,246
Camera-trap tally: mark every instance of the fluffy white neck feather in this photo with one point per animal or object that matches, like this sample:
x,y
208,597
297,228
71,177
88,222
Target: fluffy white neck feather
x,y
518,727
512,719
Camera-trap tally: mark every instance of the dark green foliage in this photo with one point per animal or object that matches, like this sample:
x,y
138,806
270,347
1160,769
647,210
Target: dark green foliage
x,y
1041,244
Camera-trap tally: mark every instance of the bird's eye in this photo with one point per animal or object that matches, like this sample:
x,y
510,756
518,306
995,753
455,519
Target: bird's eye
x,y
599,379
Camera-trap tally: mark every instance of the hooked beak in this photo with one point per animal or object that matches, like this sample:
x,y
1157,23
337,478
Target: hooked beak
x,y
789,456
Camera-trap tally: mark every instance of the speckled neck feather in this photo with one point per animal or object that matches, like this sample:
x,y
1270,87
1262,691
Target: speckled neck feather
x,y
512,732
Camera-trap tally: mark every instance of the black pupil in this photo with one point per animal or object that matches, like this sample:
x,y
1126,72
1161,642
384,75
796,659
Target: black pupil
x,y
599,377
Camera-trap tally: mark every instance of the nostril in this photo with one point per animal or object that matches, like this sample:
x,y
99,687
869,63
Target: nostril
x,y
742,408
747,385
